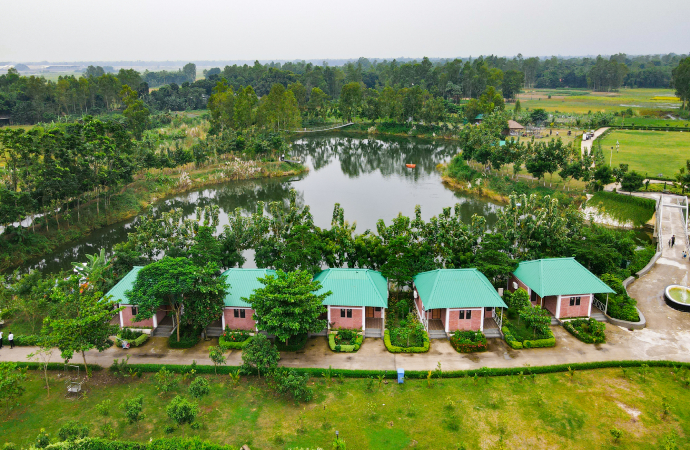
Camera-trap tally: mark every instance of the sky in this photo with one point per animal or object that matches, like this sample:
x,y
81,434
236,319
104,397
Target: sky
x,y
157,30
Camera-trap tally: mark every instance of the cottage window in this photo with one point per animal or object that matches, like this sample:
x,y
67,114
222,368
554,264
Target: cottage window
x,y
346,313
239,313
349,314
377,309
135,310
574,301
468,314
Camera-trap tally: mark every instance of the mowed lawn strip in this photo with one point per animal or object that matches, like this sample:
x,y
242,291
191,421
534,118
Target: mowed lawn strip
x,y
584,101
541,412
648,152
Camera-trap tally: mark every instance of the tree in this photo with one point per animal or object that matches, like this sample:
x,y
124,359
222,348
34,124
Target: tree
x,y
179,283
81,320
287,305
189,71
11,384
683,176
632,181
245,102
619,172
132,408
42,355
350,99
221,105
538,115
537,318
317,102
602,176
513,80
680,79
259,353
494,259
136,113
215,353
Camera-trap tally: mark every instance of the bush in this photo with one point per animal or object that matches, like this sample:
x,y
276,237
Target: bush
x,y
338,345
181,410
226,344
294,344
132,409
135,338
620,306
288,381
27,340
395,349
469,341
513,342
587,330
165,380
72,431
261,355
199,387
189,337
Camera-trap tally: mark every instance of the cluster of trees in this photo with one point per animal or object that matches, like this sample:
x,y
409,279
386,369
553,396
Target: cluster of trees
x,y
681,81
482,144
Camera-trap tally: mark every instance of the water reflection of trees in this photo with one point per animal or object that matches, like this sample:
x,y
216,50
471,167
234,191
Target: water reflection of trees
x,y
359,156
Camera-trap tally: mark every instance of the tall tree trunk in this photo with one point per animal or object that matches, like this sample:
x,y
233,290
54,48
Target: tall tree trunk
x,y
86,368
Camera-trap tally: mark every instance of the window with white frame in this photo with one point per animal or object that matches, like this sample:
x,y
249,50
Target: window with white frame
x,y
135,310
239,313
346,313
574,301
465,314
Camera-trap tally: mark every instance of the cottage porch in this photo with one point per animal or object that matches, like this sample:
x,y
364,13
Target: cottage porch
x,y
373,327
491,329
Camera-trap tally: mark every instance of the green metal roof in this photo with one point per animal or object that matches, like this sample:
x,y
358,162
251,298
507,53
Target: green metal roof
x,y
243,283
353,287
456,288
479,117
124,285
559,276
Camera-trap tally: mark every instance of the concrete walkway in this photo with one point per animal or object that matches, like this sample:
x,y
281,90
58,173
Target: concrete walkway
x,y
586,146
667,335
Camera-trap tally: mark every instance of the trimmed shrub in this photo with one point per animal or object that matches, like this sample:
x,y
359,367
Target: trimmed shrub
x,y
135,338
288,381
395,349
528,343
587,330
233,345
469,341
345,348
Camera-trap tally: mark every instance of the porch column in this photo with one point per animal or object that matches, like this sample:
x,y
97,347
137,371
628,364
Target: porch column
x,y
589,309
155,320
481,324
122,320
222,320
364,317
558,308
447,316
328,311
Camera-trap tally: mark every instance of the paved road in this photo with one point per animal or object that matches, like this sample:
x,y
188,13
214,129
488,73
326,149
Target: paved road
x,y
667,335
587,145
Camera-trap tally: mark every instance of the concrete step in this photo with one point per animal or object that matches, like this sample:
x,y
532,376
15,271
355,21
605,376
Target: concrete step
x,y
599,317
555,321
163,330
437,334
492,333
373,332
214,331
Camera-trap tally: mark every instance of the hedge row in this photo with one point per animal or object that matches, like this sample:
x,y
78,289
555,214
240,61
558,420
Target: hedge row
x,y
535,343
422,374
345,348
574,327
233,345
394,349
469,342
157,444
54,366
24,340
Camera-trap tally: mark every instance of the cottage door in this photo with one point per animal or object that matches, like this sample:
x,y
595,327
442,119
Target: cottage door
x,y
369,311
436,314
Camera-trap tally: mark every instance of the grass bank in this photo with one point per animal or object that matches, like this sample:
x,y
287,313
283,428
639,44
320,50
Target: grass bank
x,y
550,411
128,202
623,208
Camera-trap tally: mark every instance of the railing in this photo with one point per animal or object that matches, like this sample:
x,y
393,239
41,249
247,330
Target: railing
x,y
596,302
659,212
323,128
498,319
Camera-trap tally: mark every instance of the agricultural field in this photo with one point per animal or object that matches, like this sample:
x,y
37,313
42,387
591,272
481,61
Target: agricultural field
x,y
652,122
648,406
648,152
584,101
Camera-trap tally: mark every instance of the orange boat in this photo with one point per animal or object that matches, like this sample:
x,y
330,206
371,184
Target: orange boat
x,y
411,166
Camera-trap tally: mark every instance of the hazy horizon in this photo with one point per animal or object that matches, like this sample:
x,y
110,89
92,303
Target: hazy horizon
x,y
271,30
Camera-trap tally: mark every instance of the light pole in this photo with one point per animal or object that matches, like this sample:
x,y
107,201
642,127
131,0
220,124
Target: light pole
x,y
611,158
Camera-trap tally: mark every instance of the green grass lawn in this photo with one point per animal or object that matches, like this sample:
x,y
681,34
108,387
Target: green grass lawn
x,y
652,122
547,412
649,152
624,208
583,101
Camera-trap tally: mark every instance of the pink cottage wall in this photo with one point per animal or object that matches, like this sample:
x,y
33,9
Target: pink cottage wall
x,y
354,322
551,303
455,323
127,318
575,311
237,323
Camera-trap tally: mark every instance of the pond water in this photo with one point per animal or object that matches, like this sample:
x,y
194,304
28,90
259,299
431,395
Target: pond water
x,y
367,176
